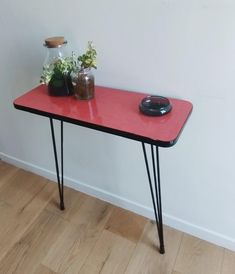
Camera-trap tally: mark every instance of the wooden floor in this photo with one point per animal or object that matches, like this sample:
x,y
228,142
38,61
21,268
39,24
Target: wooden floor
x,y
90,236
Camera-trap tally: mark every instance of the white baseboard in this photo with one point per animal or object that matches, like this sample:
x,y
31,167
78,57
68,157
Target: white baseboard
x,y
172,221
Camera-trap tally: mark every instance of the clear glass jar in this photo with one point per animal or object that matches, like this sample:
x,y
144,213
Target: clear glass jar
x,y
54,76
83,84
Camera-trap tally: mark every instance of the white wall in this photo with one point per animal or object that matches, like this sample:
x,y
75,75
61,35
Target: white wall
x,y
184,49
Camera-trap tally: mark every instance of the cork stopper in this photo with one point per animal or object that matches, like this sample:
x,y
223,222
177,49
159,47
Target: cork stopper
x,y
54,42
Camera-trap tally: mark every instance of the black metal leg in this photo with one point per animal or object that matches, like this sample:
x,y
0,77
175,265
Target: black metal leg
x,y
156,196
60,179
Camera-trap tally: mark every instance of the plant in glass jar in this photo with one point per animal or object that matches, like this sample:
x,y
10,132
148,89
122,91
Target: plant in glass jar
x,y
56,75
83,79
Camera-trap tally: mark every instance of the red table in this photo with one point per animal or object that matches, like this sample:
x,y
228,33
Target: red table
x,y
113,111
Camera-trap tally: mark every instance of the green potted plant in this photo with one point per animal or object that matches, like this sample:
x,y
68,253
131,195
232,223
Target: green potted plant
x,y
56,76
83,79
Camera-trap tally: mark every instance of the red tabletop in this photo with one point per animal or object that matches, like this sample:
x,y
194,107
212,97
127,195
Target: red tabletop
x,y
111,110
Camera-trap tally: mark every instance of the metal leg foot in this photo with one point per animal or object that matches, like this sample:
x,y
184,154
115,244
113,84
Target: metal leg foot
x,y
60,179
155,189
162,250
62,205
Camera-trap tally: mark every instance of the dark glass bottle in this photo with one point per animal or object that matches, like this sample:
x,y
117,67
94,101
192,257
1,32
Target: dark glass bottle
x,y
84,84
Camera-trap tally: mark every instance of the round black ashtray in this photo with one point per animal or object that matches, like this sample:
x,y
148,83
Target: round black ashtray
x,y
155,105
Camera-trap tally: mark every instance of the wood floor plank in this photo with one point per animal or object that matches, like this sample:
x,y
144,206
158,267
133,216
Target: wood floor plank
x,y
126,224
21,188
91,212
110,255
68,253
146,258
198,257
16,220
73,201
26,255
42,269
6,172
228,262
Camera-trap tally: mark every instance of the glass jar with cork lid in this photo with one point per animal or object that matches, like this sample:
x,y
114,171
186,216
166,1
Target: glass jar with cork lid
x,y
57,67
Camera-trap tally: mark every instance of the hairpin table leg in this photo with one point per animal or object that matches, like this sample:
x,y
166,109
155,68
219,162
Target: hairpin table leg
x,y
60,179
156,195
